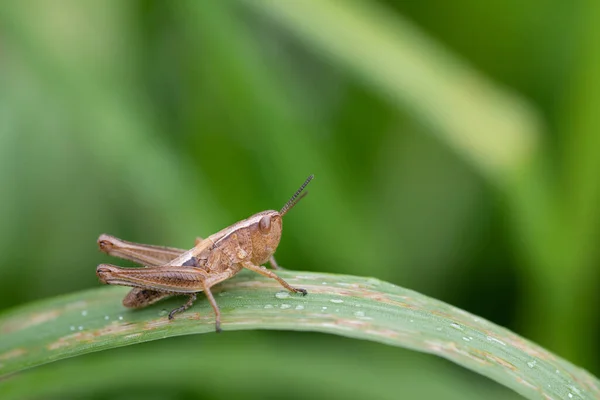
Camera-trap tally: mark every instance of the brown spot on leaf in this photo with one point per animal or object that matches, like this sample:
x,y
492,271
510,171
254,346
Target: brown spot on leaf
x,y
87,336
12,354
20,323
500,361
157,323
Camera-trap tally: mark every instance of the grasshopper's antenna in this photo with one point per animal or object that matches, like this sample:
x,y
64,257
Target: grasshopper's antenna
x,y
296,197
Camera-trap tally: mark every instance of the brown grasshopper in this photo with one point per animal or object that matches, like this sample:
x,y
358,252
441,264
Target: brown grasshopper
x,y
169,271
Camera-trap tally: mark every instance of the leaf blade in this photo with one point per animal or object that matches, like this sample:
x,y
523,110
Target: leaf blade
x,y
362,308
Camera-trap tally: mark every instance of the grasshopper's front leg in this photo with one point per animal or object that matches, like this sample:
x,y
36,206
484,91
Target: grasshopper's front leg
x,y
270,274
274,264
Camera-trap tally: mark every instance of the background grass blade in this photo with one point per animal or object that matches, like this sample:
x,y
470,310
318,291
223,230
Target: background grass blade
x,y
504,138
356,307
271,373
489,127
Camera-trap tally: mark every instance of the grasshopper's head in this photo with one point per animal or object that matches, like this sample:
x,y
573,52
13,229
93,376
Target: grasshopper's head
x,y
267,225
265,233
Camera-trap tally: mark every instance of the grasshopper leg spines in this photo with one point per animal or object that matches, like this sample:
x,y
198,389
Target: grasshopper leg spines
x,y
188,304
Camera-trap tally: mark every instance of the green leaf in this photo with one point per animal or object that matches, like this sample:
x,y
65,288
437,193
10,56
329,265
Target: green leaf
x,y
362,308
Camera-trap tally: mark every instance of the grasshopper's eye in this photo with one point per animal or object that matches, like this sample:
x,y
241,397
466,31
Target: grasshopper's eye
x,y
264,225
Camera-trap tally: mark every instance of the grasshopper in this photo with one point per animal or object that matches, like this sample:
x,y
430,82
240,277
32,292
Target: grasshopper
x,y
169,271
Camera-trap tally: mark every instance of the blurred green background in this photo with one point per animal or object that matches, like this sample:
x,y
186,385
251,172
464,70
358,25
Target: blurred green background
x,y
455,145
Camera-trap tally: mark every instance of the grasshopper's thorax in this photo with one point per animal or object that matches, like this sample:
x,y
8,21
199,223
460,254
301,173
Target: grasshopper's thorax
x,y
254,239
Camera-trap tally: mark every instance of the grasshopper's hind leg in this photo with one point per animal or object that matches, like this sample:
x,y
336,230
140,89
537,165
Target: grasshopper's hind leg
x,y
188,304
145,254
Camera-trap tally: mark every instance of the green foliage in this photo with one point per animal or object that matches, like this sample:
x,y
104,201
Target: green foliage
x,y
349,306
